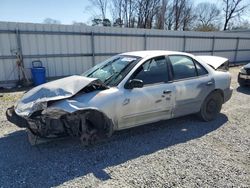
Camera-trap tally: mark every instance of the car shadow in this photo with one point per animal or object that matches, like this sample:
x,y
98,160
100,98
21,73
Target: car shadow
x,y
245,89
60,161
15,89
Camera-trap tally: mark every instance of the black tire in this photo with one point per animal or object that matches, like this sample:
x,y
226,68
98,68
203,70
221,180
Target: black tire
x,y
211,106
242,84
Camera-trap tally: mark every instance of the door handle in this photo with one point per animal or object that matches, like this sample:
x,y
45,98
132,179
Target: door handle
x,y
209,83
126,101
167,92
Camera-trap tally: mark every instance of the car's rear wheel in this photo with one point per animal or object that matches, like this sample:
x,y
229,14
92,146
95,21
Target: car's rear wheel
x,y
211,106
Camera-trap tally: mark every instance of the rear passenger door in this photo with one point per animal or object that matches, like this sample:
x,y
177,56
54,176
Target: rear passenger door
x,y
192,84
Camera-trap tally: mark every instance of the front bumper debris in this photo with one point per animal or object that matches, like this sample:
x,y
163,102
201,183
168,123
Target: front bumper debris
x,y
15,119
89,126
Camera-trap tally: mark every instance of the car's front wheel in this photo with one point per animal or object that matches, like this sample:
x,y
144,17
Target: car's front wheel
x,y
211,106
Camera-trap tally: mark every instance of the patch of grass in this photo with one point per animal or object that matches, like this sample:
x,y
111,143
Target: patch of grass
x,y
10,97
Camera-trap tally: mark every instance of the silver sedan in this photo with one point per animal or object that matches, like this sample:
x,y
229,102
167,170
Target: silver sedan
x,y
127,90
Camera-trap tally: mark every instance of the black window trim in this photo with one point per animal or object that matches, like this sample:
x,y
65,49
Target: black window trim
x,y
153,84
171,71
195,63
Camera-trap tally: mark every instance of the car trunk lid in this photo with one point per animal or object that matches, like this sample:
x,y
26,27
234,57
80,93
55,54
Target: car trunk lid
x,y
218,63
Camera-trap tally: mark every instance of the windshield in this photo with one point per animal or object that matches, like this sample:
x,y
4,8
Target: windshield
x,y
113,70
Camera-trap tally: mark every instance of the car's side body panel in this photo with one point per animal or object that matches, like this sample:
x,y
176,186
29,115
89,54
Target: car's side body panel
x,y
222,83
190,94
143,105
129,108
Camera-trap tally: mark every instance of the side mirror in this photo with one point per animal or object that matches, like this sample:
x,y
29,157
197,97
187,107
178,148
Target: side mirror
x,y
135,83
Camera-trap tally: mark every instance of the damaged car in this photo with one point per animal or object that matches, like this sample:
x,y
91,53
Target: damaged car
x,y
244,75
127,90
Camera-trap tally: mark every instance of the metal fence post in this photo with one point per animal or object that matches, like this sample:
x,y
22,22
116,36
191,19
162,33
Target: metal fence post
x,y
19,60
213,41
184,43
93,47
19,44
236,49
145,41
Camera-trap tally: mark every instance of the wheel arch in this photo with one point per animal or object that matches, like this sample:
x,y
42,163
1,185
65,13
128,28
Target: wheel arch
x,y
218,90
79,122
208,115
99,119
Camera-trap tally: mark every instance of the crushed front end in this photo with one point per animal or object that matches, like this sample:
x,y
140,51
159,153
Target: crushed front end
x,y
42,122
89,125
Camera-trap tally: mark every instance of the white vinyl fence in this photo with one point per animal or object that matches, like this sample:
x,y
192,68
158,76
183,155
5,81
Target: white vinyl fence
x,y
70,49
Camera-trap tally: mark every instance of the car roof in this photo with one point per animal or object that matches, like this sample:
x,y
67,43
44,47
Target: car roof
x,y
153,53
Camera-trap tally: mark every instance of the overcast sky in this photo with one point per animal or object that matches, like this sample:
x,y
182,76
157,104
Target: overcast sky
x,y
66,11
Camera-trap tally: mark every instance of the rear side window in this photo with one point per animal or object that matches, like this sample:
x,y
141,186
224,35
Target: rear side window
x,y
183,67
200,69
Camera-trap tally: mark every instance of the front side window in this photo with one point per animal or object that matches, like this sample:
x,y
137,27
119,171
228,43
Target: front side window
x,y
113,70
182,66
152,71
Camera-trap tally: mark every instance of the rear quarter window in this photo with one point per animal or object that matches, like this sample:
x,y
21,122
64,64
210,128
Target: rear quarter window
x,y
200,69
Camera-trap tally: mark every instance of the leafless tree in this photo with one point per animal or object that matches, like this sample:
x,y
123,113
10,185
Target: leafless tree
x,y
207,14
116,10
232,9
178,7
160,15
187,16
169,16
147,9
124,12
179,15
243,25
129,7
101,5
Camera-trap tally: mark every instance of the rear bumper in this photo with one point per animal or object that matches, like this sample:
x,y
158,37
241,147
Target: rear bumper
x,y
228,94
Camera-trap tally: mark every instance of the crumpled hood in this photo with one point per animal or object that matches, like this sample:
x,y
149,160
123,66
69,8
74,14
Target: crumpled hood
x,y
37,98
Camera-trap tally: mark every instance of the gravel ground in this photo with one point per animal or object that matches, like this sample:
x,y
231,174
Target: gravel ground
x,y
182,152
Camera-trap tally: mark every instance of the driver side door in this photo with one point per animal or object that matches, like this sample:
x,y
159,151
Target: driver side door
x,y
153,102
